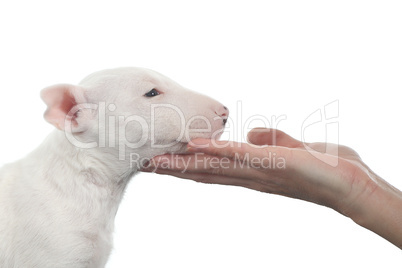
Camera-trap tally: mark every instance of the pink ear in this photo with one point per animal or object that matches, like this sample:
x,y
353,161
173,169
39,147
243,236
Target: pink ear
x,y
60,100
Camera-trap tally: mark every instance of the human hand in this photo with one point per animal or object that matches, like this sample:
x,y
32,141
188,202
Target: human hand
x,y
296,172
329,175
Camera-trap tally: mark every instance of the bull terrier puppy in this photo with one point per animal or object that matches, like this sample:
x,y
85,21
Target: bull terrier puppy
x,y
58,204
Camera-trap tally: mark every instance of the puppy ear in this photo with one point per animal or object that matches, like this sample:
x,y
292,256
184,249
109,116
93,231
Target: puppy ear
x,y
65,104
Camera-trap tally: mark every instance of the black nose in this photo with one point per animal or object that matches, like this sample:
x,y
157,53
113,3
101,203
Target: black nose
x,y
224,121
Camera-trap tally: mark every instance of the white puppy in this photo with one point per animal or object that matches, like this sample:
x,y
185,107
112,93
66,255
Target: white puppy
x,y
57,205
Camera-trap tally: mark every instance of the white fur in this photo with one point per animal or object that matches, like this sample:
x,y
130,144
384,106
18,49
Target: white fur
x,y
58,204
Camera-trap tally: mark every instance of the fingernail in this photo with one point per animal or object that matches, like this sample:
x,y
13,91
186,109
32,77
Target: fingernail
x,y
148,167
146,164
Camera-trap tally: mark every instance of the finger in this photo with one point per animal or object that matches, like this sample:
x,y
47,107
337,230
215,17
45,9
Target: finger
x,y
208,178
271,136
224,180
255,177
236,150
250,183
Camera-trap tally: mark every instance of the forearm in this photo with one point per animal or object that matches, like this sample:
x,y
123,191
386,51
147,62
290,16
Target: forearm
x,y
382,213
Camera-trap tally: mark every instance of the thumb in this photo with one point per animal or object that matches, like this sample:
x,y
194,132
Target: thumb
x,y
271,136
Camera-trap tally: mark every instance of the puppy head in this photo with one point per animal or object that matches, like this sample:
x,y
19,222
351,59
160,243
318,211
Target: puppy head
x,y
132,110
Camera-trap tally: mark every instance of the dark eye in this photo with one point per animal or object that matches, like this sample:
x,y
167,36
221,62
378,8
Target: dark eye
x,y
152,93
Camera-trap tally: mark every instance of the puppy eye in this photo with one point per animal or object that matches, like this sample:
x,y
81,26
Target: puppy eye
x,y
152,93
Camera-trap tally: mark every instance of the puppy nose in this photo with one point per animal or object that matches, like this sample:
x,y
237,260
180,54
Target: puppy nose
x,y
223,112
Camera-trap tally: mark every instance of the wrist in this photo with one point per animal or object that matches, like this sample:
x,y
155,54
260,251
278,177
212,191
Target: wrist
x,y
379,209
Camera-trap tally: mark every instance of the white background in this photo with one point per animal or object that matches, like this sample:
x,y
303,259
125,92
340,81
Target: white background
x,y
276,57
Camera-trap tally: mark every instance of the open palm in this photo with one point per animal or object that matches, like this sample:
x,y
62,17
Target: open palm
x,y
273,162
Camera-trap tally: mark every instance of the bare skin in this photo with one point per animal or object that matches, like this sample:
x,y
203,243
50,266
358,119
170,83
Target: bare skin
x,y
338,179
